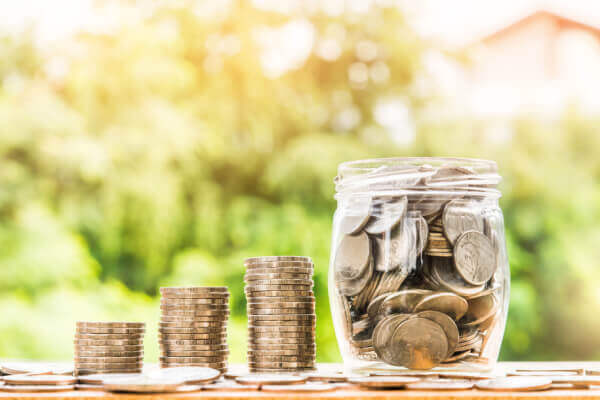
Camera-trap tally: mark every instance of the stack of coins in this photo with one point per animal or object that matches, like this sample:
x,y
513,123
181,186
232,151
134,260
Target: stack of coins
x,y
109,347
193,327
281,314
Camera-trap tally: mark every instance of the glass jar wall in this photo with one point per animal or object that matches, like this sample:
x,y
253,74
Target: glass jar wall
x,y
419,275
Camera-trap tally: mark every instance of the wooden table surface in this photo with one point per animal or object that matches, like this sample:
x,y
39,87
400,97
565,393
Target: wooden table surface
x,y
353,393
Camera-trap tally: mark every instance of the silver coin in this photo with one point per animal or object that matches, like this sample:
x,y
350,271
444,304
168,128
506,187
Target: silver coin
x,y
447,303
36,388
515,384
190,375
418,343
142,384
383,382
402,302
448,326
422,230
302,388
44,380
474,257
353,257
441,384
444,273
387,215
460,216
270,379
98,379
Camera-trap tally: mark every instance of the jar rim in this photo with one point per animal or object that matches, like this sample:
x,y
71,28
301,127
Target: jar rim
x,y
416,161
416,175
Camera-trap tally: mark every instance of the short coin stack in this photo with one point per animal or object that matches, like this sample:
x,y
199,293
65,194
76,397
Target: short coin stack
x,y
193,327
281,314
109,347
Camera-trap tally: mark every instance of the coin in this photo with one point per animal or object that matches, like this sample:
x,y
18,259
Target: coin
x,y
258,329
272,352
186,319
87,371
185,342
326,377
383,333
300,283
89,387
263,259
217,365
88,324
448,326
480,309
441,384
85,353
386,215
195,313
205,353
110,336
110,348
111,342
36,388
283,347
108,360
228,386
383,382
108,365
193,348
403,302
444,273
302,388
352,259
279,293
270,379
277,335
194,289
251,304
577,380
447,303
277,311
280,270
280,299
277,288
98,379
142,384
184,360
474,257
422,230
282,340
288,317
39,380
122,331
414,349
515,384
166,301
193,325
277,276
260,370
221,329
191,336
460,216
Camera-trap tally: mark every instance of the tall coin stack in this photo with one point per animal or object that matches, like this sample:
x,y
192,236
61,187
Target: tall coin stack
x,y
193,327
109,347
281,314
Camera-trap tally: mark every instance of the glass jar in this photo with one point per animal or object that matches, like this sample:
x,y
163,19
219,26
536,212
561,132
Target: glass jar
x,y
419,276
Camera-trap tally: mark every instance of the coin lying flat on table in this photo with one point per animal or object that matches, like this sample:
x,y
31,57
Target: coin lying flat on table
x,y
270,379
515,384
36,388
383,382
441,384
228,386
98,379
142,384
301,388
190,375
44,380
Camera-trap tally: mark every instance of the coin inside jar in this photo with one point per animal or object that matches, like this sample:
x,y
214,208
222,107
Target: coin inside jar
x,y
447,303
418,343
386,215
474,257
460,216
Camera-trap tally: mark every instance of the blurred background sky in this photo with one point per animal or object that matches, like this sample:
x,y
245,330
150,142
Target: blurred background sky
x,y
148,143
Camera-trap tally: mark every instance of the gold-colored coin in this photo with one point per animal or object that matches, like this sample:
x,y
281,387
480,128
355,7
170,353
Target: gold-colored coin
x,y
109,342
186,360
191,336
113,353
169,301
207,353
267,259
278,329
288,317
118,331
196,324
194,313
108,360
109,336
192,348
283,270
92,324
184,342
280,341
109,347
186,319
418,343
90,371
221,330
279,293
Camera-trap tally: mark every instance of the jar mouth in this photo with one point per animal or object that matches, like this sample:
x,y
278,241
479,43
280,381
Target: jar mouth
x,y
424,176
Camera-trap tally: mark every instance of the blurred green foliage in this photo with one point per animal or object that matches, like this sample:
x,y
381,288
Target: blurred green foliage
x,y
158,159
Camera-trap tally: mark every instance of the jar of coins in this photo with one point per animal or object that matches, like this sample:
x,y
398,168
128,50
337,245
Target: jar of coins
x,y
419,276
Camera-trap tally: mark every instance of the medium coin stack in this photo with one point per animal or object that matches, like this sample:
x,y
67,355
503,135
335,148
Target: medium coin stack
x,y
109,347
281,314
193,327
418,277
